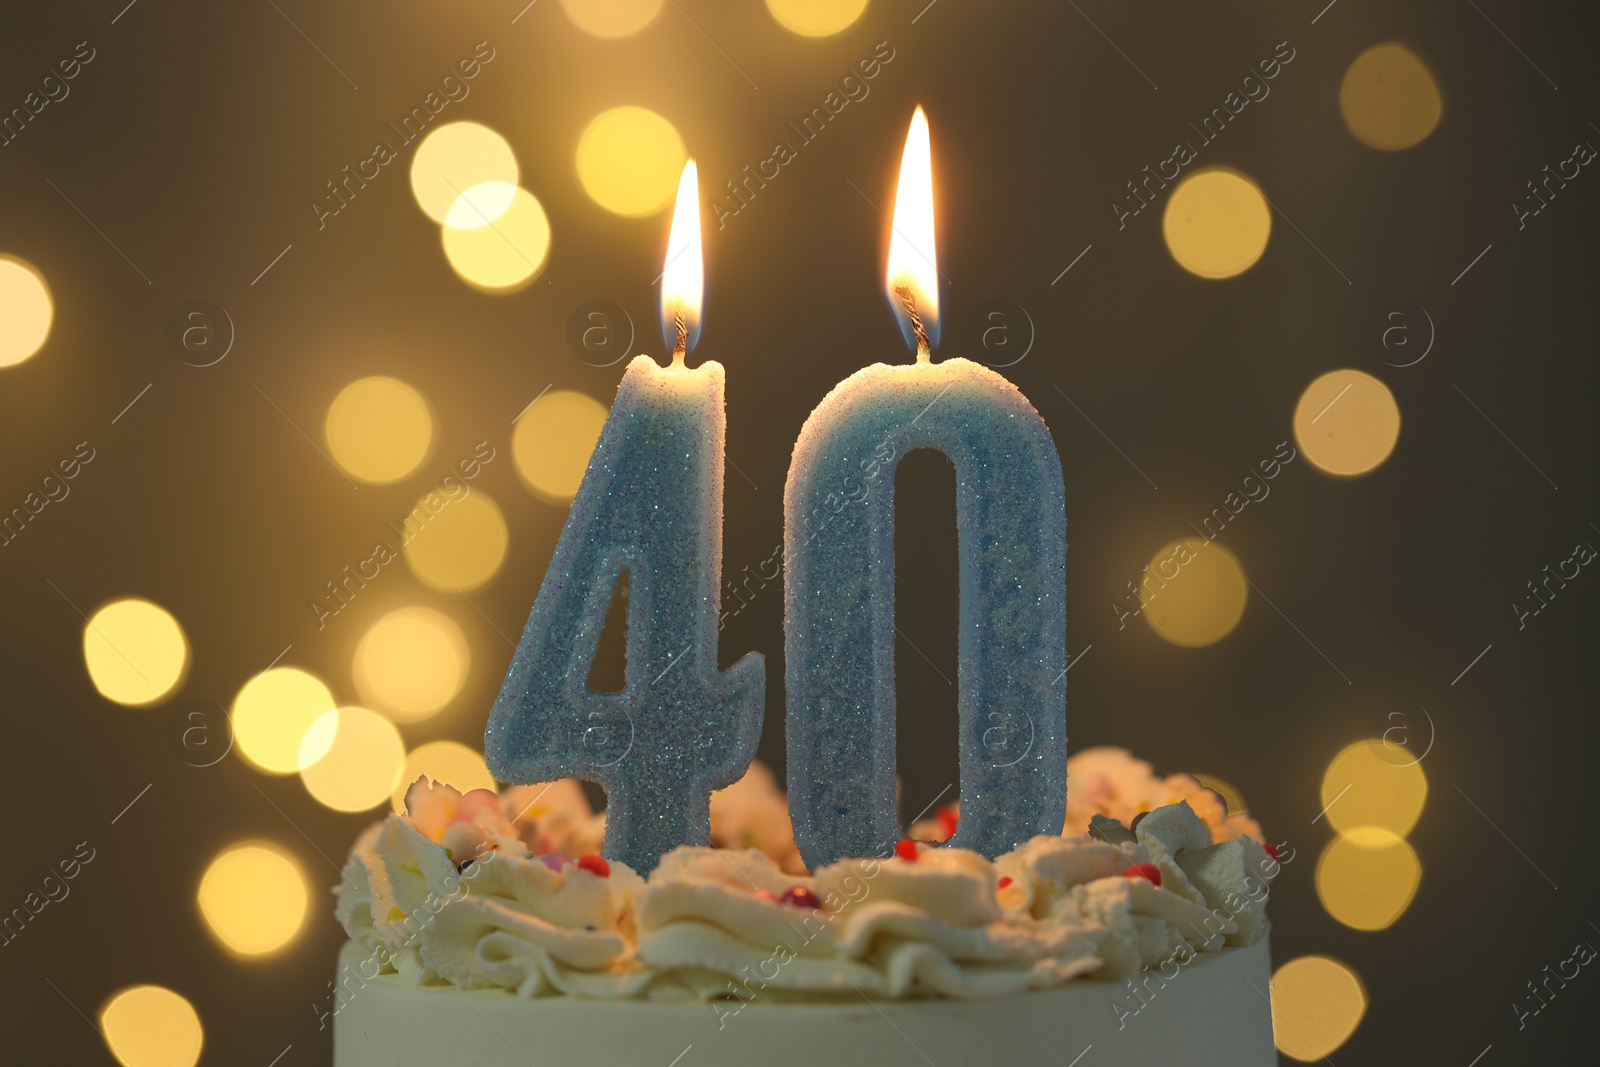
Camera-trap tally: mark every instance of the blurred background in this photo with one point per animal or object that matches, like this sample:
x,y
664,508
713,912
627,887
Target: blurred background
x,y
273,275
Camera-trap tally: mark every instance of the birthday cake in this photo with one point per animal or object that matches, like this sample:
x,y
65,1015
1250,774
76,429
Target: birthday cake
x,y
486,929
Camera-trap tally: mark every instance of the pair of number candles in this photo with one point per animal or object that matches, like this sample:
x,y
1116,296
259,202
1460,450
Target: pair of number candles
x,y
650,506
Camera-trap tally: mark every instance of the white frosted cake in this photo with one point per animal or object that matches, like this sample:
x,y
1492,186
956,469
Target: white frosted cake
x,y
485,930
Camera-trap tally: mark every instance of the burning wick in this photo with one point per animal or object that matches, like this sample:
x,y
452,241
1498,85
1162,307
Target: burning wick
x,y
681,345
924,350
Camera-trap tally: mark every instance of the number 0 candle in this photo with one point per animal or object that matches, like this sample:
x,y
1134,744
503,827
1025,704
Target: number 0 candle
x,y
839,514
650,506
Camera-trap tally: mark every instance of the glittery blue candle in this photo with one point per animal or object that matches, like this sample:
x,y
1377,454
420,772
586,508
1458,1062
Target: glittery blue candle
x,y
650,506
839,516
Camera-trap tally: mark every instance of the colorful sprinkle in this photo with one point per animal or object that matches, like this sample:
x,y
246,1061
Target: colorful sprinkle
x,y
396,915
801,897
595,865
948,817
1272,850
1148,871
1005,881
906,849
555,861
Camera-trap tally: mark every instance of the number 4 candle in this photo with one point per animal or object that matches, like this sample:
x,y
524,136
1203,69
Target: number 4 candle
x,y
650,506
839,553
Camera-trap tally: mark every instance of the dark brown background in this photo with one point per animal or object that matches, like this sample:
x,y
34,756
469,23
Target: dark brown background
x,y
200,131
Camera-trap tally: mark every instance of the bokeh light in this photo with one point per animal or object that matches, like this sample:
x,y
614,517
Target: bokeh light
x,y
1347,422
816,18
494,247
151,1026
629,159
1317,1003
1362,789
253,897
1367,878
26,310
272,713
1229,793
361,760
379,429
411,663
136,652
1389,99
449,762
461,546
457,156
611,18
553,440
1217,223
1197,594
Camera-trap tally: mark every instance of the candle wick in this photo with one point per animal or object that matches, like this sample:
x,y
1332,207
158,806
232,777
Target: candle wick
x,y
681,346
924,350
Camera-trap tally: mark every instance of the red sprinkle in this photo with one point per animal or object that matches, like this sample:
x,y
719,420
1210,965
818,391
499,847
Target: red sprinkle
x,y
801,897
1148,871
1005,881
595,865
1272,850
906,849
948,817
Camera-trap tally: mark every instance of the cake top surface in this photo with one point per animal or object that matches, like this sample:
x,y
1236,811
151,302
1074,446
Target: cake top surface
x,y
507,890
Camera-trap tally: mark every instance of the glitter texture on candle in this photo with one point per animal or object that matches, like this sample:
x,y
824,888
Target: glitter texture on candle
x,y
650,505
839,552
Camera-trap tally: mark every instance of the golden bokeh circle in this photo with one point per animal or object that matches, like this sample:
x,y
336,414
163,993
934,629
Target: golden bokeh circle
x,y
449,762
457,156
1347,423
253,898
272,713
553,440
1317,1003
816,18
411,663
135,651
461,546
1194,592
378,429
1217,223
26,310
1367,878
1361,789
1389,98
629,160
494,247
611,18
151,1026
361,760
1226,790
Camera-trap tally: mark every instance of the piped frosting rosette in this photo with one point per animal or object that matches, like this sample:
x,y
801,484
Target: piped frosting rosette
x,y
506,891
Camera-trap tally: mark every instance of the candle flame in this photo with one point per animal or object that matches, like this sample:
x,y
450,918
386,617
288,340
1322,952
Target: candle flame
x,y
912,282
683,278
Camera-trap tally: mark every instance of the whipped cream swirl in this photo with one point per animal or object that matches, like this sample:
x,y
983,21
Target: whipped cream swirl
x,y
505,892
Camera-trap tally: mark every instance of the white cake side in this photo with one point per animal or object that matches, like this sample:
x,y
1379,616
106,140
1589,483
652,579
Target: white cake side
x,y
1208,1013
